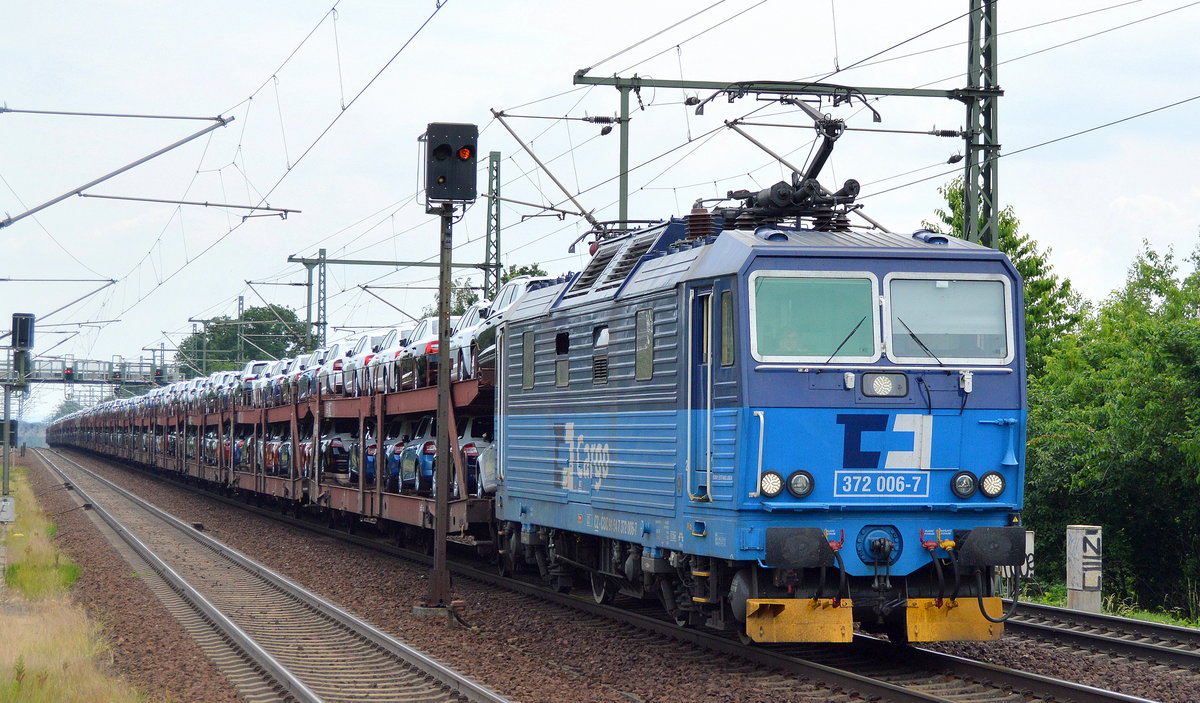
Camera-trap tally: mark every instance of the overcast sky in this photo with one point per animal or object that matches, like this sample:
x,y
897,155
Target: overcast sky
x,y
324,124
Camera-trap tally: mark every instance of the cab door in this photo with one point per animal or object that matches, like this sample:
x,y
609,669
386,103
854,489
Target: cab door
x,y
700,379
724,406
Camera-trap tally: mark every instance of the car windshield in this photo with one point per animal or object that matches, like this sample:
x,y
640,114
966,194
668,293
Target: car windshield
x,y
948,319
480,426
467,320
813,317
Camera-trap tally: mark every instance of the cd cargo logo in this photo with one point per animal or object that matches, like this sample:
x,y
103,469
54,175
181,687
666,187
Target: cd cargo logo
x,y
586,463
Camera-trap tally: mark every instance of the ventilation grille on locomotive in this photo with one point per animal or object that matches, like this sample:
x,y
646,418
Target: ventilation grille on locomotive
x,y
595,267
630,256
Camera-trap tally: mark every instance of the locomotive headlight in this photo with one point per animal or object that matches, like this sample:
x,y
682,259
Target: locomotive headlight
x,y
885,385
771,484
800,484
964,484
991,484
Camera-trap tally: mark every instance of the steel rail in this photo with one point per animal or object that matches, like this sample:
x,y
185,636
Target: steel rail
x,y
453,680
1172,644
826,675
271,666
1043,687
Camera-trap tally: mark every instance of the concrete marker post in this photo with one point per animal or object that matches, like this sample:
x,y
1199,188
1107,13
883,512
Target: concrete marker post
x,y
1084,556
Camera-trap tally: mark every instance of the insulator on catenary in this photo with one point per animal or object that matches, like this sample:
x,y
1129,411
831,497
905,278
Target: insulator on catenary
x,y
700,223
600,119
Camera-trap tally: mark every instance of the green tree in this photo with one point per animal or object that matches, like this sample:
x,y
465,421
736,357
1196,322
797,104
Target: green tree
x,y
1052,307
1114,437
263,334
510,272
463,294
65,408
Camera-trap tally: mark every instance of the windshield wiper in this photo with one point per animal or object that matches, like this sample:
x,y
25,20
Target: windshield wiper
x,y
917,339
847,339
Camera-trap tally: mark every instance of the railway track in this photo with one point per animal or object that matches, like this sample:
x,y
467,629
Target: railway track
x,y
1124,637
871,669
273,639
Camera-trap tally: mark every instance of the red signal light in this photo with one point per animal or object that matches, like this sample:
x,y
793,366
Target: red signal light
x,y
464,153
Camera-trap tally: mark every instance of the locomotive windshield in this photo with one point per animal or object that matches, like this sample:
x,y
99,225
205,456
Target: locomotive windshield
x,y
813,316
934,320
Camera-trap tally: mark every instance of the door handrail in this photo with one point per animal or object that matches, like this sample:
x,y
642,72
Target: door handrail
x,y
762,431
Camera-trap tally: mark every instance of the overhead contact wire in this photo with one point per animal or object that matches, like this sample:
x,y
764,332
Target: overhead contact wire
x,y
310,147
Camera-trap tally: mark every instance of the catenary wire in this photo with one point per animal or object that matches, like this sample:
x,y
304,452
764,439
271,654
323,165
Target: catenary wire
x,y
300,158
1046,143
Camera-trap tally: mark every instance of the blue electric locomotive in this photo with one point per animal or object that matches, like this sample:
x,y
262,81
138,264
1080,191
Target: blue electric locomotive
x,y
781,429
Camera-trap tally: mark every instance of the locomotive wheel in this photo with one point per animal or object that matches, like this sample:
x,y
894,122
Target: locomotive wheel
x,y
603,590
666,596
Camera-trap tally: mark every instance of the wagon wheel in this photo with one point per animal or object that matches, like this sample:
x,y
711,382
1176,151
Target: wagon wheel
x,y
603,589
506,563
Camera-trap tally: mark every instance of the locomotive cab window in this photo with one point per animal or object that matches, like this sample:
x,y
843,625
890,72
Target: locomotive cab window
x,y
527,360
644,345
814,316
562,347
964,319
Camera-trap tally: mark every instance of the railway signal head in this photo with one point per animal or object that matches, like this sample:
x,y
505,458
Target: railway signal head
x,y
68,373
450,162
22,330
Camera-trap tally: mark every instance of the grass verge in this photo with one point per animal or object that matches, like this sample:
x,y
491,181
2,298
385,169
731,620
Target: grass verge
x,y
52,653
1056,594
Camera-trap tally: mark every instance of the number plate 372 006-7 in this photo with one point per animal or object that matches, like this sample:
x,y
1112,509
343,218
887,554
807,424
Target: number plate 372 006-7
x,y
893,484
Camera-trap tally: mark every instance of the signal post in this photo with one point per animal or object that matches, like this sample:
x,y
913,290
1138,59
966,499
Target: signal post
x,y
22,342
450,177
